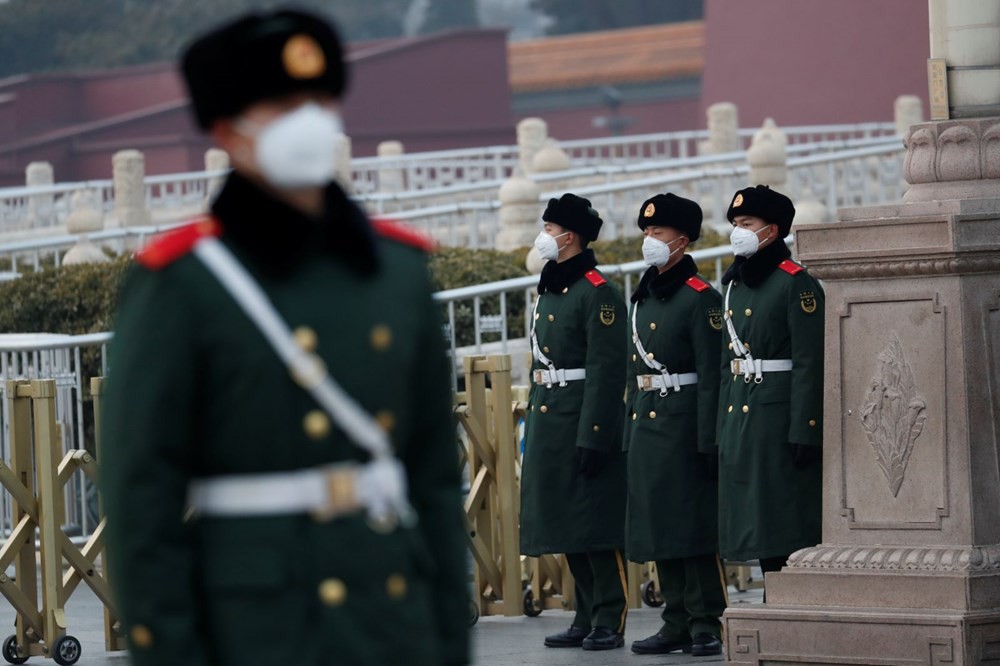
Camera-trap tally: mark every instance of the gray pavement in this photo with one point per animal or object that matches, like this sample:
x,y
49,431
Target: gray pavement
x,y
497,641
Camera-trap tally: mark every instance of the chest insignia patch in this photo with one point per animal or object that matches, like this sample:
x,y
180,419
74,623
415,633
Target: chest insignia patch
x,y
715,318
807,300
607,314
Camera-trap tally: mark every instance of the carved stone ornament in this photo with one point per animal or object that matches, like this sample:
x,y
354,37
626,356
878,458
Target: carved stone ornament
x,y
893,415
898,558
968,263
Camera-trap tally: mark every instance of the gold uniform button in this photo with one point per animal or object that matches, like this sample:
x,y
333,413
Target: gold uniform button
x,y
545,349
386,420
543,409
316,424
649,354
597,428
812,422
537,316
395,586
634,357
141,636
552,317
333,592
652,325
730,313
652,415
306,338
747,345
746,408
565,290
635,416
381,337
730,346
748,312
730,410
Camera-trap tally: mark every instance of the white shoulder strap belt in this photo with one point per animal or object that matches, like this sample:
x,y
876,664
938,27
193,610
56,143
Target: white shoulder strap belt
x,y
378,486
663,381
552,375
749,367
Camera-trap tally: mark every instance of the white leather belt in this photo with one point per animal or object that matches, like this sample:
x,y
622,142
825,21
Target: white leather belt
x,y
664,383
325,492
755,368
560,376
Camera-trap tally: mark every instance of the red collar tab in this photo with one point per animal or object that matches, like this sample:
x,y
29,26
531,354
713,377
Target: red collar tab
x,y
790,267
595,278
697,284
168,247
403,234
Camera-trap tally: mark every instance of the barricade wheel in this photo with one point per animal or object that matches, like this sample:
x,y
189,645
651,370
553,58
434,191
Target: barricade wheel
x,y
10,651
529,604
650,596
66,651
473,612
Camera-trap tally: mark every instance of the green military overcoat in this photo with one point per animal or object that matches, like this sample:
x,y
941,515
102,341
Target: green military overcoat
x,y
670,439
770,493
195,391
580,323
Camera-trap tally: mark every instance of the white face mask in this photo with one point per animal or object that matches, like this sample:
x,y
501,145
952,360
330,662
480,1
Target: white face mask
x,y
299,148
657,253
547,247
744,241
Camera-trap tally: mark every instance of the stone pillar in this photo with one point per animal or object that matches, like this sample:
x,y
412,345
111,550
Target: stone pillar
x,y
84,218
128,174
909,568
550,158
531,136
216,159
768,156
390,178
520,212
723,130
908,111
41,211
964,33
344,176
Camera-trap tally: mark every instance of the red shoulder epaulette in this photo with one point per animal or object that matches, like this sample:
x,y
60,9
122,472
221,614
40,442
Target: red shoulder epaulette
x,y
174,244
595,278
790,267
398,232
697,284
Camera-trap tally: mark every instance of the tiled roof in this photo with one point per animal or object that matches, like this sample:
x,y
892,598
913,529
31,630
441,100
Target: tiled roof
x,y
631,55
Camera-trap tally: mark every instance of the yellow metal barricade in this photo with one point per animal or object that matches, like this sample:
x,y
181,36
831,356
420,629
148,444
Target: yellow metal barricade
x,y
37,492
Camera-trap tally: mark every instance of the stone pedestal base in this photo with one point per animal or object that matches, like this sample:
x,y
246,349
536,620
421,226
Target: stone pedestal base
x,y
773,635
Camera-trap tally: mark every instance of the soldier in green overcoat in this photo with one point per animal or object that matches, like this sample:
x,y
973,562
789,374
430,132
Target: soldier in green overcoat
x,y
250,522
770,425
573,472
673,396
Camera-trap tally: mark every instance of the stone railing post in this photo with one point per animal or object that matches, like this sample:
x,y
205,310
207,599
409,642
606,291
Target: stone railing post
x,y
531,136
908,111
344,177
85,217
520,211
390,178
128,174
550,158
723,130
41,211
216,159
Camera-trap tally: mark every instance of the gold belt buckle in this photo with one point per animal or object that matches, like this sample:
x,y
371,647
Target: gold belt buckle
x,y
736,366
341,497
646,382
538,377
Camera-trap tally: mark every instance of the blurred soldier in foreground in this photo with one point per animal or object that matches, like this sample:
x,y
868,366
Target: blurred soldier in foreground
x,y
279,460
573,473
770,424
673,398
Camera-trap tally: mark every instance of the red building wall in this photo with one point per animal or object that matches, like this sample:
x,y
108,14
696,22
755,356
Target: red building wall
x,y
805,62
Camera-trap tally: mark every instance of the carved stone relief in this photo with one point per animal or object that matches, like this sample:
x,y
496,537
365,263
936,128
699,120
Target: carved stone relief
x,y
893,414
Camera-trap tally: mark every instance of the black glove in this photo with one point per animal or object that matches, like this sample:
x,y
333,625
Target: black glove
x,y
590,462
806,456
710,465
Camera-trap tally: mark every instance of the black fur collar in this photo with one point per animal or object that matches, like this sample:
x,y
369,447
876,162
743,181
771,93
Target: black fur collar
x,y
754,270
664,285
277,237
556,276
